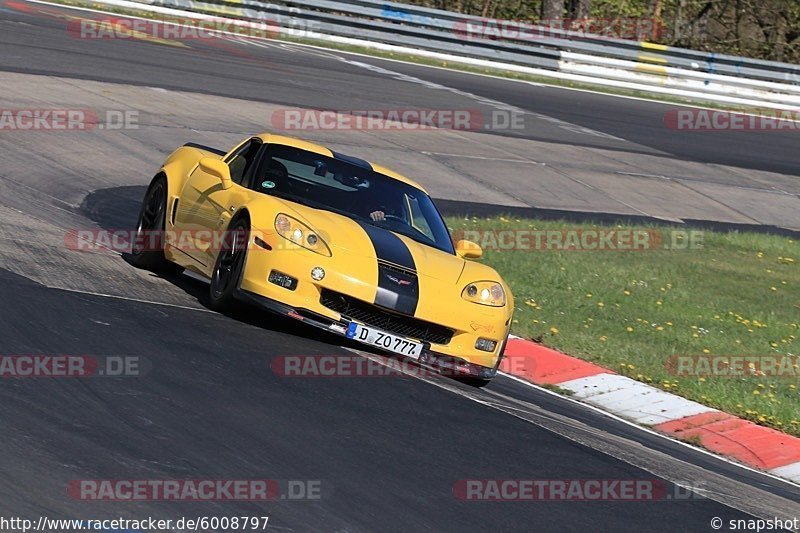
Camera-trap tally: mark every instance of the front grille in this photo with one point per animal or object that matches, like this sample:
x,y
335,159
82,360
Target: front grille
x,y
372,315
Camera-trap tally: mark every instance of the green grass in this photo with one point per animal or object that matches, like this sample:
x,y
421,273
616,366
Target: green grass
x,y
423,60
630,311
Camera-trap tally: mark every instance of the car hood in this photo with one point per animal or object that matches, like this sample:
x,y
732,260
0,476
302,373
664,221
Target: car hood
x,y
360,239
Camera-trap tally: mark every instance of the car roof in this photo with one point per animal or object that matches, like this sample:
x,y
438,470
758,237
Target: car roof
x,y
322,150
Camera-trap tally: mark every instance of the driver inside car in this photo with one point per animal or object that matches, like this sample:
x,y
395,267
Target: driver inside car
x,y
385,209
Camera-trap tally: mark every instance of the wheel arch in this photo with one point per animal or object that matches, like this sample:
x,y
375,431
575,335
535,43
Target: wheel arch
x,y
242,214
178,166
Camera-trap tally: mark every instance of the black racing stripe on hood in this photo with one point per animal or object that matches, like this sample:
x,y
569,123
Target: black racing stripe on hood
x,y
398,288
352,160
389,247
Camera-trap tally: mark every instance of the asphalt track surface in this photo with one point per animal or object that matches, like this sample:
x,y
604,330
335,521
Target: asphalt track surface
x,y
387,452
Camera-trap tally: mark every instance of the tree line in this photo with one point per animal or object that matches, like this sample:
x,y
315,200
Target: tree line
x,y
764,29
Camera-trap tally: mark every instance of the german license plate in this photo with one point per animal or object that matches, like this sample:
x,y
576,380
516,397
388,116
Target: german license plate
x,y
384,340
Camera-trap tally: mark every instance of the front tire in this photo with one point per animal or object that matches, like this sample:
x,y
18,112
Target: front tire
x,y
229,267
478,383
147,251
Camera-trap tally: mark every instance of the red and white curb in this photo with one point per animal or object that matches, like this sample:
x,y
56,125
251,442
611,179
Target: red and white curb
x,y
756,446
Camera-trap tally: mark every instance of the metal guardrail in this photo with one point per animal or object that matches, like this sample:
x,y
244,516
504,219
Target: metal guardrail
x,y
708,62
567,55
444,31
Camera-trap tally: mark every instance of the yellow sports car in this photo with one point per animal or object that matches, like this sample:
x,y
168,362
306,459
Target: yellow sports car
x,y
330,240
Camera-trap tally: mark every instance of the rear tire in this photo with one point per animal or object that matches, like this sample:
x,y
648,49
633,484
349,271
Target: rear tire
x,y
229,266
147,251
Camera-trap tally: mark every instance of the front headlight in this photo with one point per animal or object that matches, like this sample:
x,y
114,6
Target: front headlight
x,y
295,231
485,293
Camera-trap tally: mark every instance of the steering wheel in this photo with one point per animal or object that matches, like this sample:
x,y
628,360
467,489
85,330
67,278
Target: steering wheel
x,y
388,216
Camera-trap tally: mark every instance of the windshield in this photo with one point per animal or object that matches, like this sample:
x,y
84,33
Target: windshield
x,y
360,193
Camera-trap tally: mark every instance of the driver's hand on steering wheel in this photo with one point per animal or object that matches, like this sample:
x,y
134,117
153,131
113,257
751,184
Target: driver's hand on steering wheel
x,y
377,216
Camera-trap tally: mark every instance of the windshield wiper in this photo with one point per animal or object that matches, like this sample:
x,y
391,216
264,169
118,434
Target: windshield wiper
x,y
426,241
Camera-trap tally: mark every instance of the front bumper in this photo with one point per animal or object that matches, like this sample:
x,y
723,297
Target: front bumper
x,y
445,364
468,321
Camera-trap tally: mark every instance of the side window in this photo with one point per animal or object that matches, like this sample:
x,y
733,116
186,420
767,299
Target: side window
x,y
242,160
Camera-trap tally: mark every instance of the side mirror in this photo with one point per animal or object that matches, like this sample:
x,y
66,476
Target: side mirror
x,y
468,249
217,168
